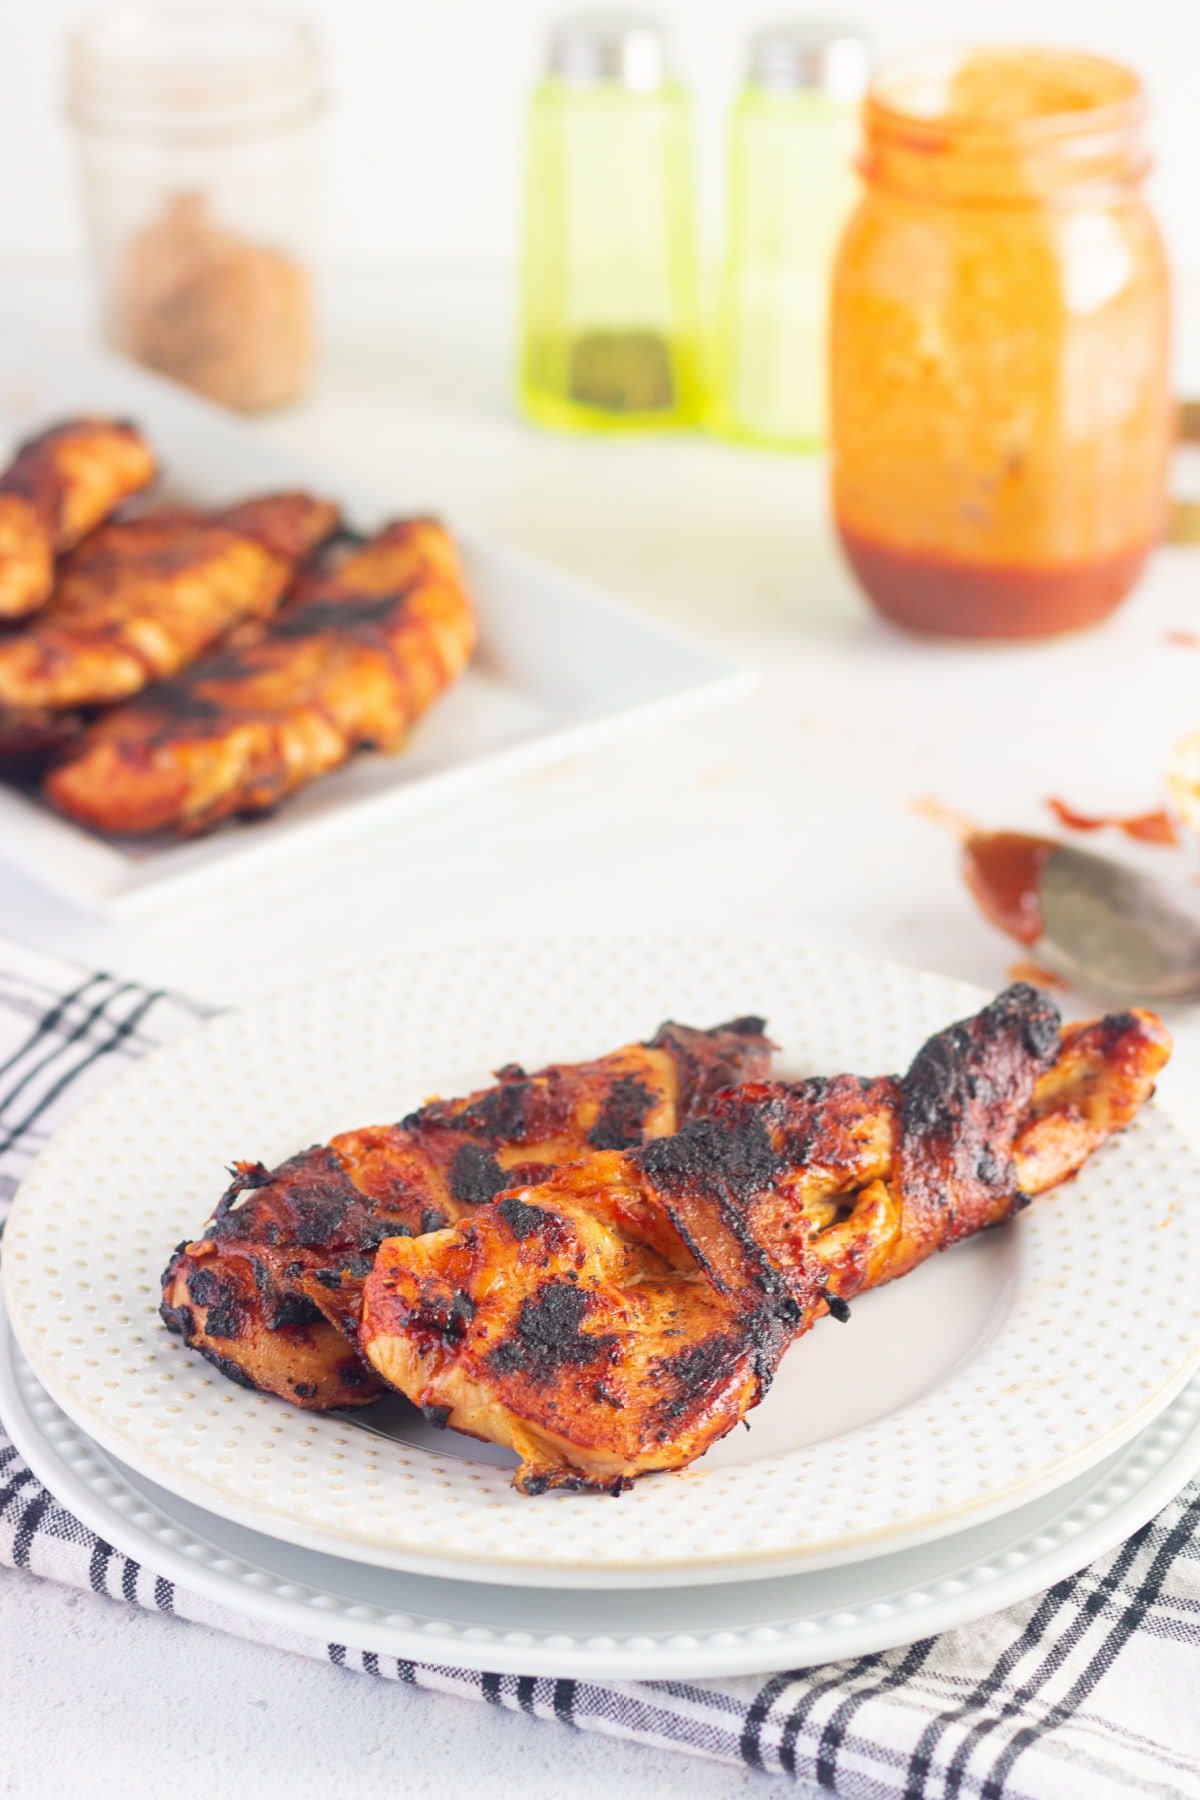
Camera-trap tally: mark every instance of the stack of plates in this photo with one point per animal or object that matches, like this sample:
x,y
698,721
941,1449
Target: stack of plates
x,y
977,1431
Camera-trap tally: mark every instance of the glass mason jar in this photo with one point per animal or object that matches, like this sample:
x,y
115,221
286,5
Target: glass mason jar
x,y
791,187
1000,415
196,134
610,332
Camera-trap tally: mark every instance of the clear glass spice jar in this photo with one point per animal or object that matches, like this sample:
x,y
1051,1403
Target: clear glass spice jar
x,y
196,129
791,186
610,332
1001,418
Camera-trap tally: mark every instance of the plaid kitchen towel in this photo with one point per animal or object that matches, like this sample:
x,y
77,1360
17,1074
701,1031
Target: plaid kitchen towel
x,y
1088,1691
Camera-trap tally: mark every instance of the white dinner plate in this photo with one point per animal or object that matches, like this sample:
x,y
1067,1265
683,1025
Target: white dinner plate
x,y
559,664
736,1628
984,1379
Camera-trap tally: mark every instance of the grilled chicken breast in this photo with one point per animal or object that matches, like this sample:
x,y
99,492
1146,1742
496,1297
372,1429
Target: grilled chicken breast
x,y
28,739
271,1292
61,485
142,597
622,1315
351,662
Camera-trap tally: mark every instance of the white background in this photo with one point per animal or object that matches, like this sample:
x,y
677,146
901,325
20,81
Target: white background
x,y
427,100
789,812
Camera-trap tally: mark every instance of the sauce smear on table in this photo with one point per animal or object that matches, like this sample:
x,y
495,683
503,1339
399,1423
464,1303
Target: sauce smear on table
x,y
1155,827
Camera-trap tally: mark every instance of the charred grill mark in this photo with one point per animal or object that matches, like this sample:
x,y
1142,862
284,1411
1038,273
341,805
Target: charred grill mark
x,y
688,1375
226,1321
291,1309
180,704
437,1416
547,1334
358,1267
732,1159
522,1219
316,1218
304,1390
502,1113
207,1288
440,1315
361,617
730,1162
620,1124
475,1176
378,1230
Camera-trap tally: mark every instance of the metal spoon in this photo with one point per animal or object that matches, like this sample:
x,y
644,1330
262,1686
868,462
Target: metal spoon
x,y
1107,927
1101,924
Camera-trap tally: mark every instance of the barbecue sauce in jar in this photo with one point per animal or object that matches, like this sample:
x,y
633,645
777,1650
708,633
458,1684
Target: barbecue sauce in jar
x,y
1000,411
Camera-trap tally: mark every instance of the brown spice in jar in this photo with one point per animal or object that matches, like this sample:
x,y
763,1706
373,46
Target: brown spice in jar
x,y
230,318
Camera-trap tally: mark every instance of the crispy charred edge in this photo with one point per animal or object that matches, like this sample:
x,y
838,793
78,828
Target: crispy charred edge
x,y
34,476
541,1480
505,1113
71,427
706,1062
206,1302
181,1319
961,1104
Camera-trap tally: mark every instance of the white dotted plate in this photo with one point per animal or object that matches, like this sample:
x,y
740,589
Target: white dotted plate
x,y
735,1628
983,1380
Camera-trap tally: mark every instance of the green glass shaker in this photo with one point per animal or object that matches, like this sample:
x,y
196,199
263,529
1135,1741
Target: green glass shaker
x,y
792,185
610,332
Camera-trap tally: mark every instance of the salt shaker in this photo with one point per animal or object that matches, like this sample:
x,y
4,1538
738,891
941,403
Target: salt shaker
x,y
791,188
196,134
610,333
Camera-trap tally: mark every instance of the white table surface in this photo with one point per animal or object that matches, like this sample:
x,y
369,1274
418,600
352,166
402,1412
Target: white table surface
x,y
790,811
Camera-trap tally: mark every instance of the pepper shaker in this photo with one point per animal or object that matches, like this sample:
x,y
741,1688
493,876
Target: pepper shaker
x,y
610,333
791,188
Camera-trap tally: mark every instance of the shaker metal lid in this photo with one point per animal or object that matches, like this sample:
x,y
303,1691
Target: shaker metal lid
x,y
829,56
591,48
